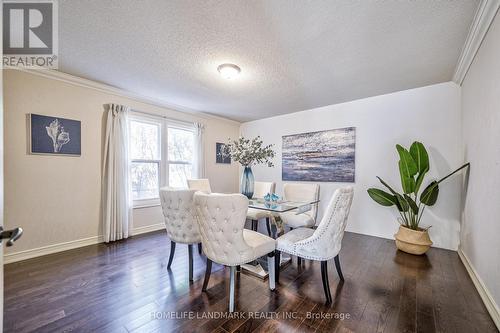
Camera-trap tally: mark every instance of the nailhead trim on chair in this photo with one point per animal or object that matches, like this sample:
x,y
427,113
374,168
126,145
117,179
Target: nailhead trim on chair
x,y
318,234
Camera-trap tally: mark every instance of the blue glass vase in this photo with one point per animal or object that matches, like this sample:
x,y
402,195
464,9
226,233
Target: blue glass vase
x,y
247,182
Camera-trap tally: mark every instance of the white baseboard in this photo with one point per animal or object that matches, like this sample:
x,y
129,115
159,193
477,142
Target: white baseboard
x,y
49,249
488,300
148,228
54,248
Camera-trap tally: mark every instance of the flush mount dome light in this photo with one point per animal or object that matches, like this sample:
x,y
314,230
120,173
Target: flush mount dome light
x,y
229,71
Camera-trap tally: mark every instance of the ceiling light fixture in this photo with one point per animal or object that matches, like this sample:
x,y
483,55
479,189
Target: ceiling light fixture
x,y
229,71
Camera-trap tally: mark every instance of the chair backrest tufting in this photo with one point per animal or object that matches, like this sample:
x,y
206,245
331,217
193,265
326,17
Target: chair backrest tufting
x,y
303,193
263,188
327,238
221,218
180,215
202,185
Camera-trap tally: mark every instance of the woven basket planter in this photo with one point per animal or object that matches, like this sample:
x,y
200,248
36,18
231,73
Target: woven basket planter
x,y
412,241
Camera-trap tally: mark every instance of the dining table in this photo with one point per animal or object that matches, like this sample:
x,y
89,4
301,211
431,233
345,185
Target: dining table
x,y
259,267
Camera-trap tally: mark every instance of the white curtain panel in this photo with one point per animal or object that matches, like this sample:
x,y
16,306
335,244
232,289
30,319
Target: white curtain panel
x,y
116,194
199,154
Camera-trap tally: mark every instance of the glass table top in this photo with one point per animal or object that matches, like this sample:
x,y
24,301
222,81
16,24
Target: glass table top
x,y
280,206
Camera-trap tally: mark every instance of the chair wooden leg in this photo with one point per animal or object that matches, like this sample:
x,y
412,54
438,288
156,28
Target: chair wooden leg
x,y
190,252
208,271
326,284
337,266
268,226
172,251
272,270
277,261
299,261
232,273
199,248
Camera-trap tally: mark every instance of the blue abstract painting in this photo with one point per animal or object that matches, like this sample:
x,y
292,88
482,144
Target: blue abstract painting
x,y
325,156
54,135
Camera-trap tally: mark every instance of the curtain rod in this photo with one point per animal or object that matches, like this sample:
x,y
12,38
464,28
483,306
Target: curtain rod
x,y
164,117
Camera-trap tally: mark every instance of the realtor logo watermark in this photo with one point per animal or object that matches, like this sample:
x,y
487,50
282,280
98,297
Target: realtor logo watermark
x,y
30,34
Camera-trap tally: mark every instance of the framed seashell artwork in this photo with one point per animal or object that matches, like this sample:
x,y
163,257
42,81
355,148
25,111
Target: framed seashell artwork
x,y
54,135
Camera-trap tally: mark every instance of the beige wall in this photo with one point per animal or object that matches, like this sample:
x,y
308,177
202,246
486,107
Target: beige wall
x,y
481,135
56,199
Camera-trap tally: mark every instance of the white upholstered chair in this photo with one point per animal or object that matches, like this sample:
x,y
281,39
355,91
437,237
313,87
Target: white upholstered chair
x,y
254,215
180,221
323,243
202,185
221,220
300,193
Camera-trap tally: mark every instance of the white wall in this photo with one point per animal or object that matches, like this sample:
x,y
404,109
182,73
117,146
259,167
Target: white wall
x,y
56,199
481,139
429,114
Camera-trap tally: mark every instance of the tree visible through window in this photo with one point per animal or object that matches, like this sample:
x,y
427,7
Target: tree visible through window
x,y
161,154
145,151
180,156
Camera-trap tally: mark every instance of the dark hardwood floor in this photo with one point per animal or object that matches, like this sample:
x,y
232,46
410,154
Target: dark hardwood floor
x,y
126,287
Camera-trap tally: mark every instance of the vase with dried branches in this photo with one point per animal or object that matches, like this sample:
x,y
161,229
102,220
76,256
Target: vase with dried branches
x,y
249,152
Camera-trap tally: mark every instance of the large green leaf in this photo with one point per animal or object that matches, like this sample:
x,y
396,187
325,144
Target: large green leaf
x,y
430,194
401,203
386,185
407,165
412,203
407,169
407,182
381,197
420,179
420,156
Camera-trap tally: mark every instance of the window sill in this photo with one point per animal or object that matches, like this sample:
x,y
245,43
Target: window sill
x,y
141,206
146,203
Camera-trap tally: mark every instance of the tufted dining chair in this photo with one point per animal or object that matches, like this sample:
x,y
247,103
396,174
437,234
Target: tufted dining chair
x,y
255,215
180,221
323,243
300,193
221,220
202,185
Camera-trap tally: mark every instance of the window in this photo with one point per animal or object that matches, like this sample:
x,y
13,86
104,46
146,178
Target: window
x,y
161,154
145,154
180,156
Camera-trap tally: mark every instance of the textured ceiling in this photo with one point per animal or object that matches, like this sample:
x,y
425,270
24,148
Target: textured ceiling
x,y
294,55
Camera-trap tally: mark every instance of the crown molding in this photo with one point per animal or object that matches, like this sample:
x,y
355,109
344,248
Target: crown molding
x,y
108,89
483,18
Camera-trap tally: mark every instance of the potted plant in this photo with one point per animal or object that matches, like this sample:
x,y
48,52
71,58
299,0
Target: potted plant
x,y
413,166
249,152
